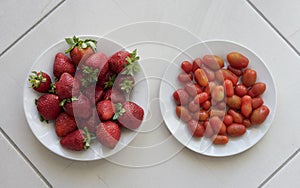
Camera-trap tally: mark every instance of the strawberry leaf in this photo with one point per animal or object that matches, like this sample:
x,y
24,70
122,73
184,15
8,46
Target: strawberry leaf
x,y
110,82
78,42
36,78
90,75
87,138
132,67
119,111
42,119
52,88
127,85
64,101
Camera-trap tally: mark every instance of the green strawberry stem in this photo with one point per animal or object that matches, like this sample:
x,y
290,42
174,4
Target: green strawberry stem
x,y
52,88
90,75
64,101
42,119
110,81
36,78
78,42
87,139
132,67
119,111
127,85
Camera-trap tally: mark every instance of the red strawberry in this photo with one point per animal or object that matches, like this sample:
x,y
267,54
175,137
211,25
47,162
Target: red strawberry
x,y
96,60
78,107
108,81
118,61
40,81
94,68
67,86
129,115
77,140
114,95
80,49
124,83
93,93
48,106
105,109
62,64
91,123
108,134
64,124
124,62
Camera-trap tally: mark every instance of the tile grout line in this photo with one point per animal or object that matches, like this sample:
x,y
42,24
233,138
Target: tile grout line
x,y
298,53
31,28
279,168
43,178
273,27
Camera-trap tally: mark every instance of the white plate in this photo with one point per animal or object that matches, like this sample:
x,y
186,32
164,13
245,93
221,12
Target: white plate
x,y
179,129
45,133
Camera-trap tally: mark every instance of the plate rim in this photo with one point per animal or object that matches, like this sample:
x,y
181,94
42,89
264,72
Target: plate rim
x,y
97,38
272,79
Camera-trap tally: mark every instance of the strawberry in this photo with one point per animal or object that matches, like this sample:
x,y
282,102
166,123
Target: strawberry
x,y
40,81
129,114
48,106
114,95
91,123
67,86
108,134
124,83
108,81
77,140
105,109
64,124
93,93
62,64
78,107
94,68
124,62
80,49
96,61
118,61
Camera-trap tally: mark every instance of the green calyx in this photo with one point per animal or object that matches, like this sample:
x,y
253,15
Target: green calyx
x,y
63,102
87,138
110,82
78,42
90,75
42,119
132,67
127,85
119,111
52,88
36,79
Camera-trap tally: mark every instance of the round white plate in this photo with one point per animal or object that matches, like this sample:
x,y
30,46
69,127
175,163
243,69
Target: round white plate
x,y
45,133
179,129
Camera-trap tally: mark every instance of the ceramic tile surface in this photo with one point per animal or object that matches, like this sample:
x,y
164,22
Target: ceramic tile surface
x,y
283,15
16,17
15,171
288,176
160,31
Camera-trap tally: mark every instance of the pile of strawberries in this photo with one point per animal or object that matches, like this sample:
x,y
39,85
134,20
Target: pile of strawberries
x,y
218,102
89,98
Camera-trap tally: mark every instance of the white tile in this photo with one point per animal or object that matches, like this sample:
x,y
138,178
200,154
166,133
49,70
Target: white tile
x,y
15,171
16,17
295,39
234,20
288,175
282,14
